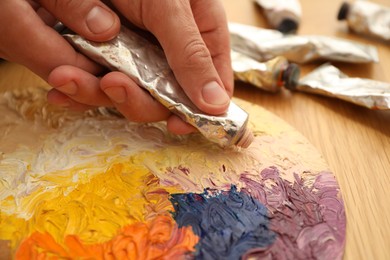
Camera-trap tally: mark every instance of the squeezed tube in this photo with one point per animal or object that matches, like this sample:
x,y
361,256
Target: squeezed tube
x,y
264,44
283,15
270,75
366,18
327,80
146,64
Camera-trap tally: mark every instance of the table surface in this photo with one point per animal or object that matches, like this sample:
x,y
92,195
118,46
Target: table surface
x,y
355,141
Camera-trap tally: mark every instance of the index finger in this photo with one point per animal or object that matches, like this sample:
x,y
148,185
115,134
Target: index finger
x,y
31,42
173,24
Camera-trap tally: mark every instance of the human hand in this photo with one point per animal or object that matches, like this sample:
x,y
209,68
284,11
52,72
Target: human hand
x,y
27,36
195,39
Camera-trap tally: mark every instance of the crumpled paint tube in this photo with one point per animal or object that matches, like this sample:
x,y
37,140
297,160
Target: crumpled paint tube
x,y
146,63
264,44
283,15
328,80
367,18
270,75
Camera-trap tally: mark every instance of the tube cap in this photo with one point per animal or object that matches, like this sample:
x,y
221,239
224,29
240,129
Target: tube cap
x,y
343,12
246,139
290,76
288,26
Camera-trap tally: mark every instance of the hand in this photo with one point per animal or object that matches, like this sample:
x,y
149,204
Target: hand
x,y
193,35
27,36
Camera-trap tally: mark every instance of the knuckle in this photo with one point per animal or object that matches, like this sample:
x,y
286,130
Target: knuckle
x,y
196,52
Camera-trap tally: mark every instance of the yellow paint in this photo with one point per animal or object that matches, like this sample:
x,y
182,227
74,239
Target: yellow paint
x,y
93,210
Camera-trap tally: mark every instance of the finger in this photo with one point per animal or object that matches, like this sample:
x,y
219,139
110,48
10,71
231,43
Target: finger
x,y
132,101
56,98
46,17
174,26
89,18
29,41
177,126
212,23
78,85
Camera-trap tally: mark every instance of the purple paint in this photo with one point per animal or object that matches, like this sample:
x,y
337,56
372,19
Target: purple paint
x,y
310,221
299,219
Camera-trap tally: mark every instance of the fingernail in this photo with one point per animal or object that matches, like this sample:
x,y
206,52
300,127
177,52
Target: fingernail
x,y
215,95
116,94
69,88
99,20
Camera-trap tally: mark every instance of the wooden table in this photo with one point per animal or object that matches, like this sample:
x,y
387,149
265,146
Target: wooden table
x,y
355,141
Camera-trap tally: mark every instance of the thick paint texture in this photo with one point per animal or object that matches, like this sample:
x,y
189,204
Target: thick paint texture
x,y
229,223
94,210
94,186
155,239
85,222
309,220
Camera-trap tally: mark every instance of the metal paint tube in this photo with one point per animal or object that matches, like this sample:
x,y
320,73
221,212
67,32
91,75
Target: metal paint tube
x,y
367,18
283,15
146,64
270,75
264,44
328,80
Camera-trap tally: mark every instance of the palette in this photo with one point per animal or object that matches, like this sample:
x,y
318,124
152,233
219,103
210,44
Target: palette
x,y
94,186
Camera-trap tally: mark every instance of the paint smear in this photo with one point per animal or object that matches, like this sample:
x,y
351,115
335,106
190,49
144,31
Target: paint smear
x,y
309,220
156,239
85,222
229,223
93,211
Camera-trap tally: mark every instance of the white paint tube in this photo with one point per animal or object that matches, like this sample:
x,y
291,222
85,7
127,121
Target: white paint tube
x,y
366,18
265,44
283,15
327,80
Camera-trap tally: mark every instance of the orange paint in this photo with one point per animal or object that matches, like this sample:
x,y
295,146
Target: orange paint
x,y
154,239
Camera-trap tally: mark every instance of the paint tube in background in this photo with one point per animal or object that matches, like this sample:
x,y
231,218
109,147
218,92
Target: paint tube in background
x,y
328,80
270,75
146,63
244,39
264,44
282,15
366,18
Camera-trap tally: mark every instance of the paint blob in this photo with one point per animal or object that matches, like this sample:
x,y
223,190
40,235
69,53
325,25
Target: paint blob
x,y
229,223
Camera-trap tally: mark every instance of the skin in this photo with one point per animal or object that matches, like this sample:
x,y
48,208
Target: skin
x,y
192,33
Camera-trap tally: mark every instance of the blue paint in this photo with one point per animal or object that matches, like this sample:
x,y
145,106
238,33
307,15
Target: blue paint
x,y
229,223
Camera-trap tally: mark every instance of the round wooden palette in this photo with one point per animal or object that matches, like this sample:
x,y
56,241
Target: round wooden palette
x,y
92,185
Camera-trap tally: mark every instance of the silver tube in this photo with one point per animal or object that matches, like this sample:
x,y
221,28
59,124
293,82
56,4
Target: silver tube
x,y
264,44
270,75
328,80
367,18
146,64
283,15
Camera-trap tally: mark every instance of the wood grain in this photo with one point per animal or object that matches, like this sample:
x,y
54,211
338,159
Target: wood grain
x,y
354,141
